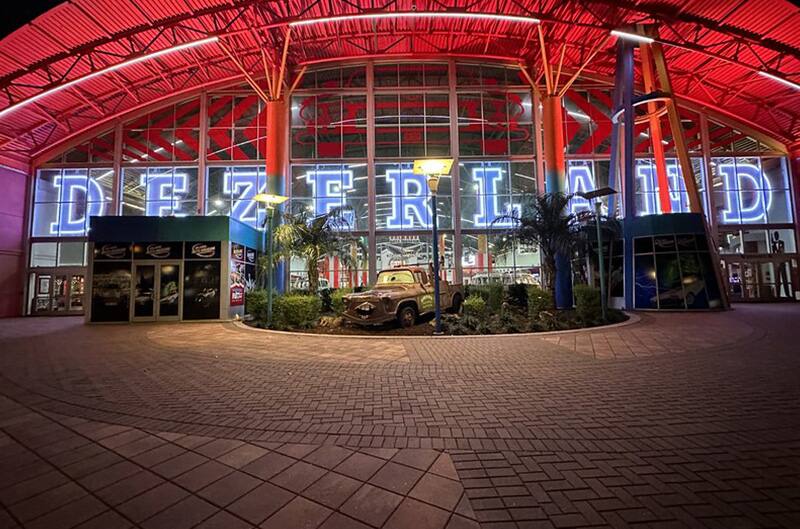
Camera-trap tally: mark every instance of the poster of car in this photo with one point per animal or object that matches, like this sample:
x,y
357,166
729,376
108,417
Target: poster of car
x,y
111,291
201,290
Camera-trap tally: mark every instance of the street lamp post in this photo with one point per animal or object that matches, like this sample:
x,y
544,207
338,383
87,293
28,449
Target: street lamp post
x,y
596,195
434,169
270,202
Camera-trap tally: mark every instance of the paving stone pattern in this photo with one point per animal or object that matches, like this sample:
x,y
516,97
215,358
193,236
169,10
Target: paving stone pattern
x,y
676,421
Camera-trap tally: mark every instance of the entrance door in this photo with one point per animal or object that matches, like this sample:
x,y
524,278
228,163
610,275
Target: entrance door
x,y
760,279
54,292
156,291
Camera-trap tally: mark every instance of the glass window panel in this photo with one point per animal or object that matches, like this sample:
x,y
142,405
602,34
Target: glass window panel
x,y
245,144
220,111
45,220
219,144
46,190
245,111
779,208
437,109
160,144
495,109
387,142
495,139
71,254
329,142
187,114
163,118
493,76
645,292
523,178
386,110
469,109
470,140
43,254
354,141
329,110
521,139
354,77
412,141
303,143
437,140
468,75
520,107
331,78
385,75
303,111
411,74
782,241
77,154
412,109
354,110
187,144
134,145
436,75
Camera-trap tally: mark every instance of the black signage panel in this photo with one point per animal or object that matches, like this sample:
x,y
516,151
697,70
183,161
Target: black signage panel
x,y
203,250
111,291
112,251
157,250
201,290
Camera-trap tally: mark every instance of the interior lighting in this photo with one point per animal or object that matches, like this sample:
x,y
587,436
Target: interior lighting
x,y
112,68
632,36
418,14
779,79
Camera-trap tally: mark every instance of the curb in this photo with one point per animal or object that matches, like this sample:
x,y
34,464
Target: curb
x,y
632,319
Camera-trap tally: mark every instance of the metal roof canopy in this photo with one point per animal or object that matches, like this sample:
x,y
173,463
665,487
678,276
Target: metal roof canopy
x,y
117,55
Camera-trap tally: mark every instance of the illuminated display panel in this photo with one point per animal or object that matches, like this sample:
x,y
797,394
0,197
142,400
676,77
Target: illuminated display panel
x,y
64,199
159,191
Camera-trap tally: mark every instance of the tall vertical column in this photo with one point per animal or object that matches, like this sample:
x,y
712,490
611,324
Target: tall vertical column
x,y
202,173
455,153
372,242
277,133
556,182
794,178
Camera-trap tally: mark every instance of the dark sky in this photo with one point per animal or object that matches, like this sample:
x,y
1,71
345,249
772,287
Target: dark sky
x,y
14,17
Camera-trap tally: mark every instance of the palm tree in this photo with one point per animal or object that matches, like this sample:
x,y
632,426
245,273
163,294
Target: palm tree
x,y
312,238
545,221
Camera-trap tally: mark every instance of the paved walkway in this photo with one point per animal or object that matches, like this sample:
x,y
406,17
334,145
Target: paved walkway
x,y
676,421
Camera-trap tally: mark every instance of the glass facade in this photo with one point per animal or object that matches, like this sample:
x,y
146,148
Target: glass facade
x,y
354,131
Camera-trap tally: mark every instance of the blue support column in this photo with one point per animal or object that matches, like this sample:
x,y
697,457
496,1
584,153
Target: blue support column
x,y
628,165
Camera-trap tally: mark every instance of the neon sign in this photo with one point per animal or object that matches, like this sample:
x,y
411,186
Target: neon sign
x,y
410,208
163,193
748,193
242,187
74,192
328,188
581,180
489,214
646,175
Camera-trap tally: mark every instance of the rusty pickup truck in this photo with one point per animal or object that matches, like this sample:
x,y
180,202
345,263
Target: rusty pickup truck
x,y
403,294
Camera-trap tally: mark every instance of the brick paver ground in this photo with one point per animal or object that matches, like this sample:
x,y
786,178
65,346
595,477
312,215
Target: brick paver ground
x,y
675,421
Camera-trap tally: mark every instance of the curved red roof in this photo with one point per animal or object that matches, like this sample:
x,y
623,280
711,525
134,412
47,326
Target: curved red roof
x,y
715,50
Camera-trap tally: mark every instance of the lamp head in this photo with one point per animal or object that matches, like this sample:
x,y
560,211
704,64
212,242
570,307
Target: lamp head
x,y
433,169
269,200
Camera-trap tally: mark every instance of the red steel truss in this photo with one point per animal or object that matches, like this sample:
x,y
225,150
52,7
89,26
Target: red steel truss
x,y
715,50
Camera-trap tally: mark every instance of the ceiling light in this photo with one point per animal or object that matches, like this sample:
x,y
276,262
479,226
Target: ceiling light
x,y
632,36
418,14
104,71
779,79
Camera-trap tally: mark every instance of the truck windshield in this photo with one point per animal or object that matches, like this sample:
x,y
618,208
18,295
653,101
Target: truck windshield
x,y
403,277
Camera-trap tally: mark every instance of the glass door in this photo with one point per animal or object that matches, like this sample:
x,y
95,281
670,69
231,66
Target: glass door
x,y
157,291
169,298
144,292
76,291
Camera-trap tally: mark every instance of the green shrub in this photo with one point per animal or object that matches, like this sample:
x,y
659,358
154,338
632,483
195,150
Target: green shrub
x,y
337,300
539,300
475,306
492,295
517,296
294,311
587,304
325,297
255,304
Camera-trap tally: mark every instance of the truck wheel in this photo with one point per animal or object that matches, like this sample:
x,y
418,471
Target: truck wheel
x,y
407,316
457,301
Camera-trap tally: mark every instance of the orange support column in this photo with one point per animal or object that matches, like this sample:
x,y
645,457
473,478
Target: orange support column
x,y
277,133
655,131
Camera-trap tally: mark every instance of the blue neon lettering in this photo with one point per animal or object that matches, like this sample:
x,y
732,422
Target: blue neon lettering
x,y
581,180
737,209
242,187
163,193
74,191
410,208
328,189
489,211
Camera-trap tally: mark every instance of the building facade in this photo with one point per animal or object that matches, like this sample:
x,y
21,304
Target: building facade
x,y
354,131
